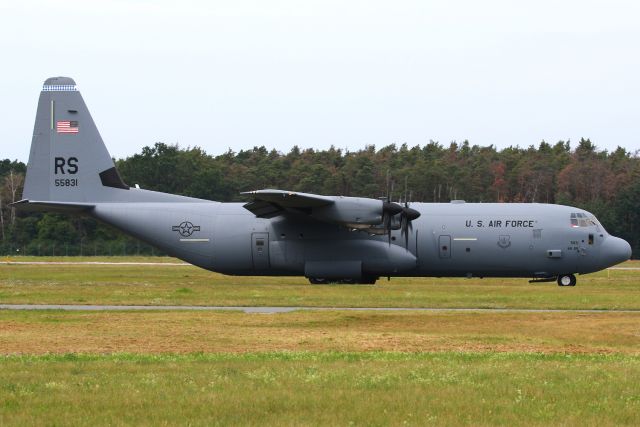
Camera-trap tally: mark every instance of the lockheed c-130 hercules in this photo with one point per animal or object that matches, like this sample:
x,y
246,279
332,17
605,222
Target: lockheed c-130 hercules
x,y
325,238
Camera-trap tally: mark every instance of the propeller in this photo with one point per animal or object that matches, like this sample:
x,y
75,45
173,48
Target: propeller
x,y
407,215
389,209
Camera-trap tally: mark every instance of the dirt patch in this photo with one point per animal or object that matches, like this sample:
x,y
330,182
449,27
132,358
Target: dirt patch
x,y
186,332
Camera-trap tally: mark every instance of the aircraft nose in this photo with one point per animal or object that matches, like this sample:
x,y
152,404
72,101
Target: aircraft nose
x,y
615,251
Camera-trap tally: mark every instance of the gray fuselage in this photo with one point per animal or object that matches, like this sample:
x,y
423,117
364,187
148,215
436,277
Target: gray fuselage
x,y
282,232
448,239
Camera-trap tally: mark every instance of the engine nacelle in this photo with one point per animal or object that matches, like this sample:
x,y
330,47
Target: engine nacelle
x,y
353,212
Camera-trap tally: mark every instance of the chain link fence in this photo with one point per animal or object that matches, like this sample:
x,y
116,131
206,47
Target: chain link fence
x,y
102,248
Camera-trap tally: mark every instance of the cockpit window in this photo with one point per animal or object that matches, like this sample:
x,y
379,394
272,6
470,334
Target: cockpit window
x,y
580,219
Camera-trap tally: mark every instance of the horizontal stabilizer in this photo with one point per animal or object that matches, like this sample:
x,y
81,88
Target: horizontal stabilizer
x,y
47,206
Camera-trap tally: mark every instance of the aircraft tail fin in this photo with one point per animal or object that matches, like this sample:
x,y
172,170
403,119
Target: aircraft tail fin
x,y
68,161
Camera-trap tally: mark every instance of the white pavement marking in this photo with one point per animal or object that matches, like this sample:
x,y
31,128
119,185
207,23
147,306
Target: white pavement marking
x,y
271,310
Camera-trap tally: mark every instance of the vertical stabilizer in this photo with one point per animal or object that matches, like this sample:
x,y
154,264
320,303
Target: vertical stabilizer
x,y
68,161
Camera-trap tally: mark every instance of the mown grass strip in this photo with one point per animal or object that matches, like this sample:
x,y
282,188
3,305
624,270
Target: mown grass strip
x,y
325,356
146,285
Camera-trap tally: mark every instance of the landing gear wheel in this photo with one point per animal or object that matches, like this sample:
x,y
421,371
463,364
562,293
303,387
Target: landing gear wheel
x,y
567,280
318,281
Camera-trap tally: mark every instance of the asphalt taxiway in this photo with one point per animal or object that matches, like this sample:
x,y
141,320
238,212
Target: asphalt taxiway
x,y
275,309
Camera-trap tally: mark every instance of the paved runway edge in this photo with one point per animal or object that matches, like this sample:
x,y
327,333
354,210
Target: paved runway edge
x,y
271,310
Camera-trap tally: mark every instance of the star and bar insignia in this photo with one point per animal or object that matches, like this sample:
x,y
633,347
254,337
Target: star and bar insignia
x,y
185,228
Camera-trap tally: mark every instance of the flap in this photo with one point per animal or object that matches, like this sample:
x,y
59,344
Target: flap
x,y
263,209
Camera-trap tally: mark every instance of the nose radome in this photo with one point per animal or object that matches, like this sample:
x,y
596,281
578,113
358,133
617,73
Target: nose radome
x,y
627,250
615,251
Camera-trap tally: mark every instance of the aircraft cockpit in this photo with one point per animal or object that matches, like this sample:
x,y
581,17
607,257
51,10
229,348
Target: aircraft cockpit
x,y
580,219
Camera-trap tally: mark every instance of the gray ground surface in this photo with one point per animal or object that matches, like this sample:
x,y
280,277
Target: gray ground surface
x,y
270,310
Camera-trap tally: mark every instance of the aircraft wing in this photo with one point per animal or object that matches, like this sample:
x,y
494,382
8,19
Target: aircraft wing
x,y
351,212
270,203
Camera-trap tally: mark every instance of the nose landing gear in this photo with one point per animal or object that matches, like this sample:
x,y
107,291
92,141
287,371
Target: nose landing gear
x,y
567,280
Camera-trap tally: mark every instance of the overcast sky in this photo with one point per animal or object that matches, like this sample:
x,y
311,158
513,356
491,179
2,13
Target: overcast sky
x,y
237,74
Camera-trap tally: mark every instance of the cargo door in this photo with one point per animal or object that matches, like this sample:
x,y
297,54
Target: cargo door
x,y
260,251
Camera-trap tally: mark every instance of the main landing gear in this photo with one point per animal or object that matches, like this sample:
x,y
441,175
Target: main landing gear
x,y
567,280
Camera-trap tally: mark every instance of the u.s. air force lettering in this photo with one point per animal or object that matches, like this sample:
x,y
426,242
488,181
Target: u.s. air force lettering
x,y
499,223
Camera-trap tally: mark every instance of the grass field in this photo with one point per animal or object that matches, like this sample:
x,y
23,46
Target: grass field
x,y
367,389
315,367
187,285
109,259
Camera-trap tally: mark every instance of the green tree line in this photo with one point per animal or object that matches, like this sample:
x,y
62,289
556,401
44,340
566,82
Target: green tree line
x,y
605,183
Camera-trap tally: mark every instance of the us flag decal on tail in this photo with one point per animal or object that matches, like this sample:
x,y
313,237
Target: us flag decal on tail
x,y
66,126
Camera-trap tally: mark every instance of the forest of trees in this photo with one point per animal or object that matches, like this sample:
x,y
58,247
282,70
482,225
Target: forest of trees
x,y
605,183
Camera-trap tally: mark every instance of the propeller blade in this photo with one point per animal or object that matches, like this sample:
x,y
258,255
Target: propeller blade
x,y
389,189
406,217
405,190
386,222
404,225
406,240
391,193
391,208
410,213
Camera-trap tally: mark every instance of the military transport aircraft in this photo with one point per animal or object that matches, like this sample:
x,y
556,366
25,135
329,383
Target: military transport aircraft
x,y
325,238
